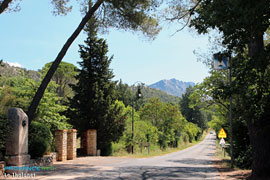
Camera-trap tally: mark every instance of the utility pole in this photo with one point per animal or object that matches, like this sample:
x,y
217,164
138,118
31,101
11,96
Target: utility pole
x,y
230,79
221,62
137,96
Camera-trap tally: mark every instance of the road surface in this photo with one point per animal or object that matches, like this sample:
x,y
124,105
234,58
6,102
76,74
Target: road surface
x,y
194,163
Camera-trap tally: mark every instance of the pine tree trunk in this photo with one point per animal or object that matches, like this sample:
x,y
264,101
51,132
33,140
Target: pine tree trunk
x,y
40,92
259,128
4,5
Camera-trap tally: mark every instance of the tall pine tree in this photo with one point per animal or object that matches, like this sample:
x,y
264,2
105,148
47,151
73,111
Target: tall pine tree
x,y
93,106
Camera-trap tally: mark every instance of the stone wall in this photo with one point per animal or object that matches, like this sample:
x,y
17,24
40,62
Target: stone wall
x,y
71,144
61,144
46,160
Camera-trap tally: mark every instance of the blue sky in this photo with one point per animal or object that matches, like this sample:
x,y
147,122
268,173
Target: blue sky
x,y
33,37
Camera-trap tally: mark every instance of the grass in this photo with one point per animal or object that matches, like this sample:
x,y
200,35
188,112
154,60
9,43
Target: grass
x,y
224,156
156,151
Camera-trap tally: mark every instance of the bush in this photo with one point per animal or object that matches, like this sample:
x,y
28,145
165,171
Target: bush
x,y
106,149
4,127
38,147
243,159
118,147
40,139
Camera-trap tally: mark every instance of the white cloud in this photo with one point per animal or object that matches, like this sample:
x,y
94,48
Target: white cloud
x,y
15,64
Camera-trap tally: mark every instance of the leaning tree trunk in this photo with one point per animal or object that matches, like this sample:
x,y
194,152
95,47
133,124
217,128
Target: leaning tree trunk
x,y
39,94
4,5
259,127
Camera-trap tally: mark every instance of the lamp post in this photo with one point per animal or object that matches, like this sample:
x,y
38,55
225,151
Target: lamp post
x,y
138,95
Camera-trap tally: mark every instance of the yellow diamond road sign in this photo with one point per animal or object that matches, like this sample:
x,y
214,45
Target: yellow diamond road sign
x,y
222,133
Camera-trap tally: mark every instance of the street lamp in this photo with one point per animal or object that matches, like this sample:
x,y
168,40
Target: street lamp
x,y
138,96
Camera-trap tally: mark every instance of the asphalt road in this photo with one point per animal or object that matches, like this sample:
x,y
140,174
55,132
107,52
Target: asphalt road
x,y
193,163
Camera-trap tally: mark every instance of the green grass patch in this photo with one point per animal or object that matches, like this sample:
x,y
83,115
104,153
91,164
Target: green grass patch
x,y
118,149
223,155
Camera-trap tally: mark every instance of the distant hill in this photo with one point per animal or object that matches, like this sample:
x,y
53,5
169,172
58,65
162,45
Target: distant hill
x,y
6,70
163,96
173,86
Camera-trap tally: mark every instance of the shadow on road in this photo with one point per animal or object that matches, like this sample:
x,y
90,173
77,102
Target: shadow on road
x,y
137,173
190,161
159,173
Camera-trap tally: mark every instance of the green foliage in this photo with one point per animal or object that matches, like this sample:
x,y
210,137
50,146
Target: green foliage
x,y
166,118
243,27
162,124
128,14
37,147
126,94
63,77
50,111
213,91
192,112
40,139
239,25
217,123
149,93
18,92
4,128
192,131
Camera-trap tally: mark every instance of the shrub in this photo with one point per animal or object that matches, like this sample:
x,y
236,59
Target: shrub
x,y
4,126
243,159
40,139
38,147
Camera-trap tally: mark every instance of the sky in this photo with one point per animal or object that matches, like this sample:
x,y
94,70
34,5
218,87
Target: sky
x,y
33,37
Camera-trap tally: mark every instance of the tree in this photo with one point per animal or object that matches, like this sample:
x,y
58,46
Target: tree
x,y
64,76
166,118
93,105
4,5
18,92
212,94
243,25
192,114
125,14
60,6
125,93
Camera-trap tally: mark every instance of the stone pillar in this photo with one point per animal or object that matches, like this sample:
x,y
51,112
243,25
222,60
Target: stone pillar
x,y
2,168
71,144
61,144
17,139
91,140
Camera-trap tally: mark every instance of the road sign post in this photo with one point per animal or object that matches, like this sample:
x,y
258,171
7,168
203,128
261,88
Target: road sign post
x,y
222,62
223,144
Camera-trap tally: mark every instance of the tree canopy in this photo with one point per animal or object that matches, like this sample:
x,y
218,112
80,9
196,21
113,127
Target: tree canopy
x,y
64,77
242,25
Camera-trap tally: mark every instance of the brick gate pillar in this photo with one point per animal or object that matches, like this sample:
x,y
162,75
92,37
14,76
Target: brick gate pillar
x,y
71,144
61,144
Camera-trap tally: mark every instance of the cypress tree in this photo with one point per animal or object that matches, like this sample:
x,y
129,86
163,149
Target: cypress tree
x,y
93,106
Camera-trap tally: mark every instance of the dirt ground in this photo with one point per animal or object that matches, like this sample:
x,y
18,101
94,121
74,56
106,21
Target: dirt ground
x,y
230,174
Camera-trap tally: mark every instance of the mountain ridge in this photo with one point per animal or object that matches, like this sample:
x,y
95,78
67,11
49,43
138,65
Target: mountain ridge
x,y
172,86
